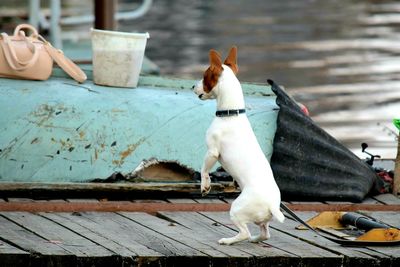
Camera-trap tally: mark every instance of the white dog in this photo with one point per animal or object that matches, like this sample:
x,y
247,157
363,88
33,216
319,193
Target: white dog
x,y
231,141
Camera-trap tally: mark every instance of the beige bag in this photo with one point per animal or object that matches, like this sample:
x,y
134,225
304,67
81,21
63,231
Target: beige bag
x,y
31,57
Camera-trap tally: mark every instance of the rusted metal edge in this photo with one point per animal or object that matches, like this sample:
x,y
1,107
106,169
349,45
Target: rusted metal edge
x,y
119,187
110,206
111,190
113,206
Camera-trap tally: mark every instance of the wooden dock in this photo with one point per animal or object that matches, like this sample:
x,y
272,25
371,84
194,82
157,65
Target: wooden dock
x,y
168,237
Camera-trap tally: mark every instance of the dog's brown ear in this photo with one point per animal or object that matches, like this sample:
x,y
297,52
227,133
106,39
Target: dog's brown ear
x,y
215,59
211,75
231,60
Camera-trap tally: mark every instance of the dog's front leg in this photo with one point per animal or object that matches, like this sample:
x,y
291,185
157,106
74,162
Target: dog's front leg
x,y
210,159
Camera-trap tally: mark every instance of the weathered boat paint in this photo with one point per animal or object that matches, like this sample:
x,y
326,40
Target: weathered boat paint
x,y
60,131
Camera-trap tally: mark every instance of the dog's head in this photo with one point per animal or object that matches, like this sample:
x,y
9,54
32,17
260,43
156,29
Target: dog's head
x,y
207,88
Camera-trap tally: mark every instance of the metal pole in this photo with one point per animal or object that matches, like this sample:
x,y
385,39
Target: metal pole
x,y
34,9
127,15
55,30
104,14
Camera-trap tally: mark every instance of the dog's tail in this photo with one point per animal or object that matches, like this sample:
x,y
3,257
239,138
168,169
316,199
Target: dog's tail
x,y
277,213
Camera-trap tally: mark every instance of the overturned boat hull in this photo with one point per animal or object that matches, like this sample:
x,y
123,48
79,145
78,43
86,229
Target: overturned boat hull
x,y
59,132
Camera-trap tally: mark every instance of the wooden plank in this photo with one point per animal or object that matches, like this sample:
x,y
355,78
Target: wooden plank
x,y
210,230
212,224
12,256
6,248
310,255
219,255
85,250
339,202
390,251
80,200
149,201
305,202
229,199
388,199
352,256
92,231
110,206
209,200
174,251
181,200
51,200
57,200
113,206
120,238
370,200
46,253
19,199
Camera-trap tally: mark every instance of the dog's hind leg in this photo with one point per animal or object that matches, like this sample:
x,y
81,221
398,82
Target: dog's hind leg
x,y
264,233
243,234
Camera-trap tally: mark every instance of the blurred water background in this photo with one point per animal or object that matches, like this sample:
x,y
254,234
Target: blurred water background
x,y
341,58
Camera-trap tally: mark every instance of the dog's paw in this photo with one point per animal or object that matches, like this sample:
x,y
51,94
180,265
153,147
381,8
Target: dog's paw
x,y
258,238
205,184
225,241
205,190
255,239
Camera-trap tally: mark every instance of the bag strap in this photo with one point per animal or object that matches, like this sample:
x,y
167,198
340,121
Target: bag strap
x,y
11,56
26,26
65,63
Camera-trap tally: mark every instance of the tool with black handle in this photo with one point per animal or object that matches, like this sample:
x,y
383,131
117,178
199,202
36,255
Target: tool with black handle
x,y
361,222
344,242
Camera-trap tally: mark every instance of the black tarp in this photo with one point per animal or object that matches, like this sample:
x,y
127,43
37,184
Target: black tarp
x,y
308,163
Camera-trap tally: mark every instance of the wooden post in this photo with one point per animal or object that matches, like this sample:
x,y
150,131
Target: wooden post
x,y
396,182
104,14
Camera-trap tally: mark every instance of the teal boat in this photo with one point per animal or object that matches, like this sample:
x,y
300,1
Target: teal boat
x,y
59,131
58,135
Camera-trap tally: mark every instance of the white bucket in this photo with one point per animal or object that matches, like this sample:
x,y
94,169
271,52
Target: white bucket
x,y
117,57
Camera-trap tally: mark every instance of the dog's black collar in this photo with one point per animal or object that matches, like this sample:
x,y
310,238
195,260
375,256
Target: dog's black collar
x,y
229,112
